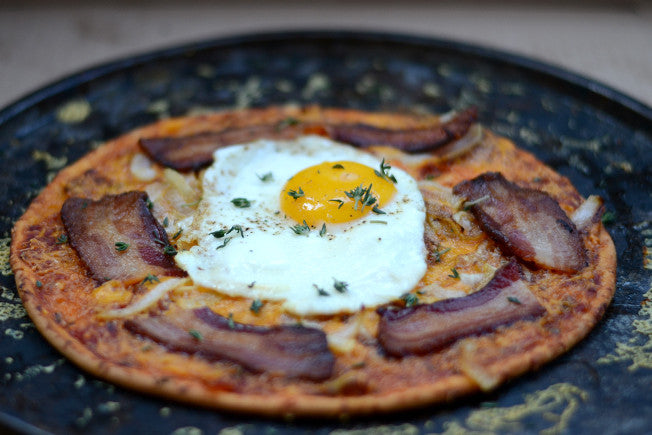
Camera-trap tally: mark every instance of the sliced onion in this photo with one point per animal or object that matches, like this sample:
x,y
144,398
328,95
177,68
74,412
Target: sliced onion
x,y
590,211
466,143
142,167
176,180
153,296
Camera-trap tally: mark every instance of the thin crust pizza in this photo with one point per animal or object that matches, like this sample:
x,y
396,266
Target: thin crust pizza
x,y
311,261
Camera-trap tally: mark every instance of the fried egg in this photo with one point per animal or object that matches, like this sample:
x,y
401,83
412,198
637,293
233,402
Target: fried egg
x,y
321,226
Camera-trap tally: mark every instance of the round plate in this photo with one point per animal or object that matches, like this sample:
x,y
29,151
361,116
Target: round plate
x,y
597,137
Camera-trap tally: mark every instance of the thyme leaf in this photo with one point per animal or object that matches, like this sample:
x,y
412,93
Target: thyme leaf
x,y
301,230
514,300
455,273
296,194
410,299
338,201
62,239
321,291
121,246
196,334
340,286
256,305
241,202
322,232
384,172
266,178
150,278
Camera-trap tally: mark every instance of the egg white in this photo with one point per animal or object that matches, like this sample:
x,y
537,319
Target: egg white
x,y
379,257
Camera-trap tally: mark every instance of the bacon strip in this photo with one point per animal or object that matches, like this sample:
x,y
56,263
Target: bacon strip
x,y
425,328
410,140
292,351
191,153
94,228
527,223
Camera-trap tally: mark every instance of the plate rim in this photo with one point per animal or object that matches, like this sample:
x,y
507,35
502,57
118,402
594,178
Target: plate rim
x,y
598,92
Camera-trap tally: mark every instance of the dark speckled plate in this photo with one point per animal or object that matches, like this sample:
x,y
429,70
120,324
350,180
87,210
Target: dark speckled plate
x,y
597,137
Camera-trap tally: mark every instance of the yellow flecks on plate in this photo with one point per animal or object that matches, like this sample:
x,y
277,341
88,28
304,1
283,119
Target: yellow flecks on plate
x,y
74,111
400,429
556,404
5,267
247,93
51,163
37,369
317,83
11,311
638,349
187,430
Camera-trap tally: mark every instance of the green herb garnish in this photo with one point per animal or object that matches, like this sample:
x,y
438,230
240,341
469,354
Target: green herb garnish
x,y
340,286
150,278
338,201
224,243
321,291
265,178
62,239
149,203
322,232
121,246
455,273
338,166
39,284
383,173
377,210
169,250
256,305
410,299
514,300
196,334
231,322
296,194
302,230
608,217
177,234
287,122
437,254
166,221
361,195
241,202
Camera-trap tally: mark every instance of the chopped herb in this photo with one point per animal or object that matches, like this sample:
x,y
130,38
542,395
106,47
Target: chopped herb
x,y
256,305
536,179
265,178
251,284
608,217
383,173
226,242
231,322
340,286
338,166
166,221
468,204
455,273
514,300
177,234
287,122
376,221
321,291
296,194
237,229
39,284
302,230
149,203
430,177
62,239
437,254
218,234
241,202
410,299
358,365
377,210
361,195
150,278
169,250
337,200
322,232
121,246
196,334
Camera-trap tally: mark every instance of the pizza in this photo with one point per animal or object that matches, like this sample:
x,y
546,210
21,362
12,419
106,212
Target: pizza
x,y
309,261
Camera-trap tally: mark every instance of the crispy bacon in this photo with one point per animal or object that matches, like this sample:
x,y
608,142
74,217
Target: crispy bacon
x,y
424,328
190,153
292,351
94,228
414,140
527,223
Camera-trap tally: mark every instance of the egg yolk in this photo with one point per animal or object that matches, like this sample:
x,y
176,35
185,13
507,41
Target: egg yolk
x,y
335,192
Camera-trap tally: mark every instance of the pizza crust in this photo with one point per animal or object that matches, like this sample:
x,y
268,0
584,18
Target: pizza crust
x,y
57,294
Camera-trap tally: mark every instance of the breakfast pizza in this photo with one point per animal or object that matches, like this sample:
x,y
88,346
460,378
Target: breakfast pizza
x,y
312,261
